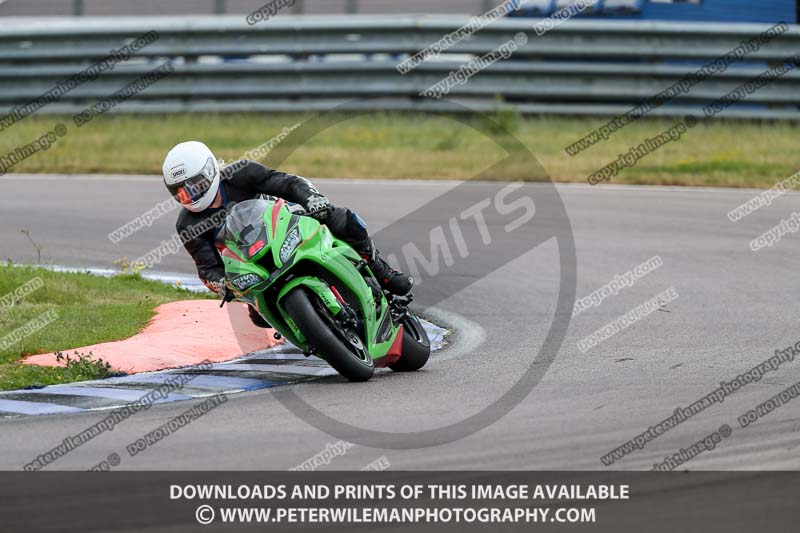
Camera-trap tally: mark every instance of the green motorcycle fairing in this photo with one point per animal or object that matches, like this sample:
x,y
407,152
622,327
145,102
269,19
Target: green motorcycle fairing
x,y
263,263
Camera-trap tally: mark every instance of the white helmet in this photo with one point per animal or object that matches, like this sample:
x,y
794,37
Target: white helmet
x,y
191,173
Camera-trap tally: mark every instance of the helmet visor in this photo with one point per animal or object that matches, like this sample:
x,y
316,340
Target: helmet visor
x,y
193,189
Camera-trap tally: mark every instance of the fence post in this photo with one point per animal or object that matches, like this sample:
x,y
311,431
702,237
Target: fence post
x,y
298,8
219,7
77,8
352,6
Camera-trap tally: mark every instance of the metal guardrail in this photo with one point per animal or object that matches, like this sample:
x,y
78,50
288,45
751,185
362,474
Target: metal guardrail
x,y
118,8
301,63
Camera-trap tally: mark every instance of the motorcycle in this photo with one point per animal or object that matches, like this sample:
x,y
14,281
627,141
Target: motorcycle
x,y
317,291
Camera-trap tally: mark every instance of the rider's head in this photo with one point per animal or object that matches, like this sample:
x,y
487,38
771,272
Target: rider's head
x,y
191,173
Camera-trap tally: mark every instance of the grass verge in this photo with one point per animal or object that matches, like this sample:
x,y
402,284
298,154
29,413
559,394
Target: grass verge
x,y
403,145
89,310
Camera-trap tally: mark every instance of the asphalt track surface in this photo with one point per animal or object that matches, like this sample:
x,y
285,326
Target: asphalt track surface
x,y
735,308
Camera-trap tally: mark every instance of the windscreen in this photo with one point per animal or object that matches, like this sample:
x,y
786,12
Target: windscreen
x,y
245,221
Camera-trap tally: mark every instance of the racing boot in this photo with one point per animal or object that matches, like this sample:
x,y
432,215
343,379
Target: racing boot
x,y
390,279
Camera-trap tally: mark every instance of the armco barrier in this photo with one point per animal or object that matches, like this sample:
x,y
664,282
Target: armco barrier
x,y
314,62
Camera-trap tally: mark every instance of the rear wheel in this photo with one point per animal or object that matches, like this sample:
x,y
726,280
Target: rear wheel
x,y
416,345
341,347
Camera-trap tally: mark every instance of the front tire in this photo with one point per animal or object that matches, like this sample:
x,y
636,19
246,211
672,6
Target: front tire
x,y
319,332
416,345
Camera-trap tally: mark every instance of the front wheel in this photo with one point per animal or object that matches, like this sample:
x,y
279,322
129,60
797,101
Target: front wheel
x,y
416,345
340,347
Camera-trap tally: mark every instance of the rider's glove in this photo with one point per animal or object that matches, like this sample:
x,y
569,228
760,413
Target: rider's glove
x,y
296,209
318,207
213,286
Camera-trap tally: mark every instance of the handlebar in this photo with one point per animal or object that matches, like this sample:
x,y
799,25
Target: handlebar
x,y
225,294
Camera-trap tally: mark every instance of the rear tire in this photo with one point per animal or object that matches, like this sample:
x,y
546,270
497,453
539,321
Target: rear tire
x,y
416,345
319,334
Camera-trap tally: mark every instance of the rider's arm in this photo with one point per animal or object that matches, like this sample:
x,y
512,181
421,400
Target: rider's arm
x,y
255,177
210,268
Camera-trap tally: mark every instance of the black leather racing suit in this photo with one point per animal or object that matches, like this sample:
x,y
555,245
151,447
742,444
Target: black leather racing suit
x,y
245,180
